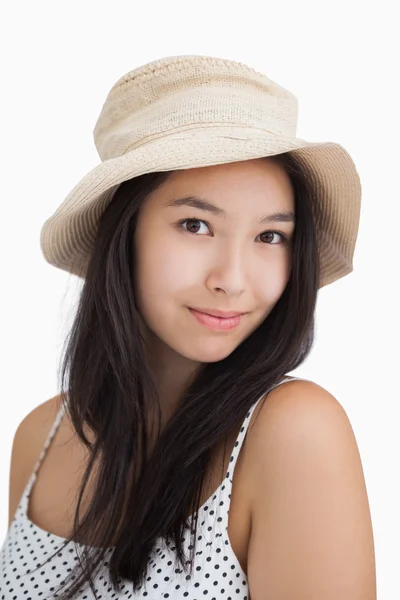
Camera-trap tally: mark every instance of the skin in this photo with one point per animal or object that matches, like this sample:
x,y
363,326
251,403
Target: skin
x,y
212,262
311,529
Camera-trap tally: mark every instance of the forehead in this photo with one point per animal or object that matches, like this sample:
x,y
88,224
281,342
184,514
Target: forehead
x,y
259,169
254,181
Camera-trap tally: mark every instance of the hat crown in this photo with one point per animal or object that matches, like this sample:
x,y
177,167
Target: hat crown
x,y
186,93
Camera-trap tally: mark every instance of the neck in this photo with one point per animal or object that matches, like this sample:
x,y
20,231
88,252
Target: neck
x,y
173,373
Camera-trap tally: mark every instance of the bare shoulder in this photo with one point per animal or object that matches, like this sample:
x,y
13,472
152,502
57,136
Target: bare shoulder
x,y
28,442
299,403
311,526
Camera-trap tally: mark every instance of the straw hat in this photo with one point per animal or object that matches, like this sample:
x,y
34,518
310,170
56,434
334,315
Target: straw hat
x,y
194,111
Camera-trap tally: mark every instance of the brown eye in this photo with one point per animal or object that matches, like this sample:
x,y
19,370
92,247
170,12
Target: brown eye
x,y
268,235
193,226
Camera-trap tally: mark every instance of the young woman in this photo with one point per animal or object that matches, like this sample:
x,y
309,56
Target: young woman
x,y
179,459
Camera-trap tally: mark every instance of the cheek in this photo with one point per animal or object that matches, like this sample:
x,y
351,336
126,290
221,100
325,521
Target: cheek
x,y
269,282
166,267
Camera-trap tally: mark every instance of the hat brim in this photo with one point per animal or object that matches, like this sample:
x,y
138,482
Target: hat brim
x,y
67,237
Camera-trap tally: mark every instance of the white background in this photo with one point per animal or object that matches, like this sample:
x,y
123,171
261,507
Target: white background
x,y
58,61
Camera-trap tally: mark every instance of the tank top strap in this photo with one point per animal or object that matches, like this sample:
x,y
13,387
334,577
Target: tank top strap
x,y
50,436
243,430
226,489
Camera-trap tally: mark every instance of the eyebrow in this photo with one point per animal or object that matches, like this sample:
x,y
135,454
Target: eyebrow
x,y
200,203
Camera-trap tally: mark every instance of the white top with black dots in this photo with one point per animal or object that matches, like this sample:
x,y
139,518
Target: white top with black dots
x,y
217,574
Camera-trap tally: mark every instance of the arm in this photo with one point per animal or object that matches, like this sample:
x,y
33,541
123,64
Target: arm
x,y
312,535
29,439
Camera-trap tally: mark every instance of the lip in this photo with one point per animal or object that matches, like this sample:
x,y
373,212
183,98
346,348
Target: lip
x,y
217,323
218,313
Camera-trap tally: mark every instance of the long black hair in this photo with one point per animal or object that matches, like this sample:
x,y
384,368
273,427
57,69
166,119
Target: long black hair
x,y
107,385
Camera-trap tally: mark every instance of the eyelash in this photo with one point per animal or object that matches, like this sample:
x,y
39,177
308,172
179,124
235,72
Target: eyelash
x,y
181,226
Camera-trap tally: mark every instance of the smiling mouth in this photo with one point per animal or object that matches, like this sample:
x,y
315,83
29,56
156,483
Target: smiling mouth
x,y
217,323
219,313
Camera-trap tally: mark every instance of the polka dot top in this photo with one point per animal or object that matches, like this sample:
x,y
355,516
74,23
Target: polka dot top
x,y
217,574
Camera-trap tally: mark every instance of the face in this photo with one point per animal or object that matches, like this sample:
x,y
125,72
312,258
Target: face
x,y
207,241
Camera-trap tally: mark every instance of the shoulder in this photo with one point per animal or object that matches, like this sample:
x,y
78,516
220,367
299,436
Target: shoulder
x,y
308,500
28,442
35,426
299,419
297,405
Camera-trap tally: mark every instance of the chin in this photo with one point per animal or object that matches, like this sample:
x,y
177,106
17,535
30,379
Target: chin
x,y
208,353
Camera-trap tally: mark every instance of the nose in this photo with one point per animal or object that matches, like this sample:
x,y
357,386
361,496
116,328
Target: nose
x,y
227,272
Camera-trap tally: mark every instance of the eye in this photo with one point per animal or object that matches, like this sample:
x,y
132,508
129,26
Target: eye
x,y
272,233
193,226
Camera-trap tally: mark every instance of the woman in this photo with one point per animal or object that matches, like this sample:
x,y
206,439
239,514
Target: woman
x,y
185,462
